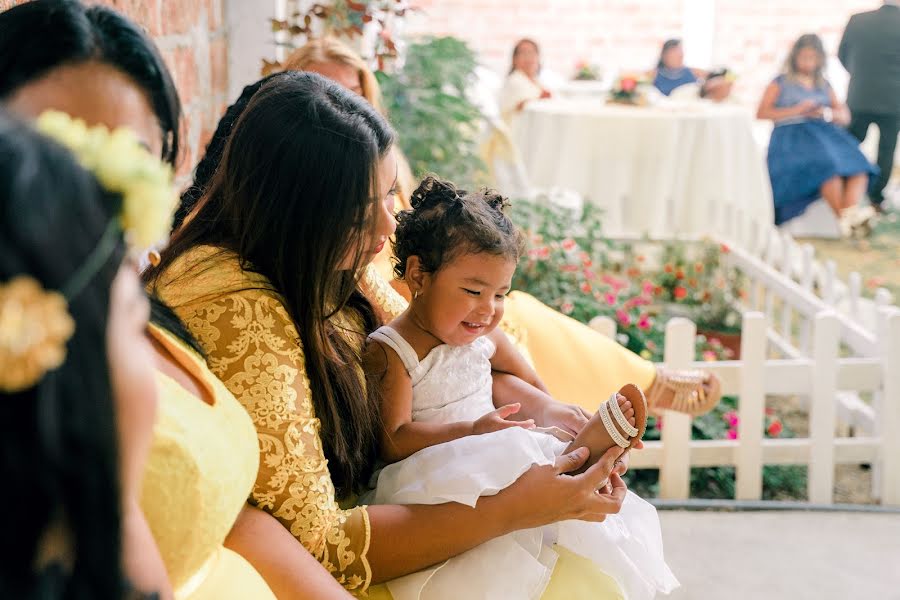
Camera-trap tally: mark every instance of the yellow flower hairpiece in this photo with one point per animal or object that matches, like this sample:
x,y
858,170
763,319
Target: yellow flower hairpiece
x,y
122,165
34,328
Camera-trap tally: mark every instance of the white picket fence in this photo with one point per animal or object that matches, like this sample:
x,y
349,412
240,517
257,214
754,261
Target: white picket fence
x,y
805,333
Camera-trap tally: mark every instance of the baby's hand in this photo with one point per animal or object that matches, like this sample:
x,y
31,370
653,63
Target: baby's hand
x,y
496,420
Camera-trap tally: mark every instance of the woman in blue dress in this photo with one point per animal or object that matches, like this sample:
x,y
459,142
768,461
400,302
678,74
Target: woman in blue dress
x,y
670,71
811,157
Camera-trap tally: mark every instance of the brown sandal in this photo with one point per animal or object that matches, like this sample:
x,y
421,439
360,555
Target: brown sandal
x,y
609,417
691,391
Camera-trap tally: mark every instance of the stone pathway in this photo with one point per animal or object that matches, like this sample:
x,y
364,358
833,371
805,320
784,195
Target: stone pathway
x,y
783,555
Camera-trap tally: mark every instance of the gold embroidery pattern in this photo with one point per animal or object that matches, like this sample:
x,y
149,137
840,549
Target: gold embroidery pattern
x,y
253,347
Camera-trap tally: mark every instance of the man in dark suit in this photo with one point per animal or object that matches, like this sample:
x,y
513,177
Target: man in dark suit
x,y
870,51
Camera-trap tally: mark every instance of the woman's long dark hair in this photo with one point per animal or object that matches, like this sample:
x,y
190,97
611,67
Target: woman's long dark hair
x,y
42,35
667,45
207,166
58,450
293,197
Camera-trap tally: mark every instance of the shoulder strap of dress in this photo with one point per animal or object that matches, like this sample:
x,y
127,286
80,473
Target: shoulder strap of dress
x,y
391,337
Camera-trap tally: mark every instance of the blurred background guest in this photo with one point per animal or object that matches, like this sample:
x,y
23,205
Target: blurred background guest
x,y
870,51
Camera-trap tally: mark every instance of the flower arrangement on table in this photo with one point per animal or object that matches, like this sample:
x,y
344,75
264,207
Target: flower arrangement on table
x,y
570,266
627,90
585,71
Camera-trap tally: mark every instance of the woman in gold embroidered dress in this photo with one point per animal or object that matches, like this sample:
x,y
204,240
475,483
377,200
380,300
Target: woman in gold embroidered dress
x,y
577,364
266,274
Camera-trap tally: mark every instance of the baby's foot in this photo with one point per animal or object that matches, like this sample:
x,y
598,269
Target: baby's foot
x,y
597,438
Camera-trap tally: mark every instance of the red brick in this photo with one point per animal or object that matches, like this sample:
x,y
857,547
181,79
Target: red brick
x,y
179,16
143,12
218,65
215,16
183,64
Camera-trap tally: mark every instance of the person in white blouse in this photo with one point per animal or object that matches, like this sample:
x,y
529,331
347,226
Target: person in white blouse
x,y
522,85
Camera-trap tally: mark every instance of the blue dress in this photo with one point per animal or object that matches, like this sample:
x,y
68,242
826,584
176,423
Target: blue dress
x,y
805,152
668,79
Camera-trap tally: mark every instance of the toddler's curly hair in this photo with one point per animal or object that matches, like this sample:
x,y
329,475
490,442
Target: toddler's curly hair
x,y
446,222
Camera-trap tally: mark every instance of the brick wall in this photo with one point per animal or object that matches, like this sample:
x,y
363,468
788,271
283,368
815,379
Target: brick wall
x,y
191,36
750,36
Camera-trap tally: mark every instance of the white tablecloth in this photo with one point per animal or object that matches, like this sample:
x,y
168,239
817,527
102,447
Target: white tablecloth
x,y
658,170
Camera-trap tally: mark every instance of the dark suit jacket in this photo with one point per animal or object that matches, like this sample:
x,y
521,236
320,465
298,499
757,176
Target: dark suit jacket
x,y
870,51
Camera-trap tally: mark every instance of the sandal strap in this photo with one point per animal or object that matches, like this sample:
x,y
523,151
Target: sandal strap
x,y
687,386
629,429
607,422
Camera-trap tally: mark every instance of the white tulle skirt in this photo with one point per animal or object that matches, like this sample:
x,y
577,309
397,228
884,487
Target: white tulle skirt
x,y
626,546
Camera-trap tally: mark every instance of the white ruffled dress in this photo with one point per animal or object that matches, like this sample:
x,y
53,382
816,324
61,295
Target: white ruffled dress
x,y
453,383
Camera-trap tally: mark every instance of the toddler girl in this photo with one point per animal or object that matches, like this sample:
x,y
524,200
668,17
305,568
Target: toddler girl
x,y
447,440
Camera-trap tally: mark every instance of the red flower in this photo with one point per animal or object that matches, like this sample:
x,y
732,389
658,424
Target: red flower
x,y
732,434
568,244
724,248
543,252
647,286
611,299
775,428
692,282
569,268
586,287
640,258
628,85
679,274
669,268
657,290
588,274
680,293
587,262
567,308
623,317
644,322
633,272
698,267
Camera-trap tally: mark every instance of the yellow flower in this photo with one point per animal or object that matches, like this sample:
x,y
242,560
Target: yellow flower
x,y
121,165
34,328
646,355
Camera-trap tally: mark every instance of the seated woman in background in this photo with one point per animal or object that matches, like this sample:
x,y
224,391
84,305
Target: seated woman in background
x,y
522,84
671,73
76,383
809,156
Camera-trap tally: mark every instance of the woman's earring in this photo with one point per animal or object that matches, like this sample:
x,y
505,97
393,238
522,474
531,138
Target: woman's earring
x,y
415,294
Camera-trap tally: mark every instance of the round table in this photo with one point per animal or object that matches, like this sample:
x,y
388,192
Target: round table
x,y
656,170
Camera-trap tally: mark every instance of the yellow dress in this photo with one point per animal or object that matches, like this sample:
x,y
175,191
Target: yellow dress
x,y
578,365
201,467
253,347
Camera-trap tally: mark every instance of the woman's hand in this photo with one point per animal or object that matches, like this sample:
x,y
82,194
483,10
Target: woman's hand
x,y
545,494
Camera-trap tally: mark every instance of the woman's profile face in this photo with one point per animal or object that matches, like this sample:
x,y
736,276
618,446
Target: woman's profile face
x,y
339,73
132,374
375,239
673,58
96,93
527,59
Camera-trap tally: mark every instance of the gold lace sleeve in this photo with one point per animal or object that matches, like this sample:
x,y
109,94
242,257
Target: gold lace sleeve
x,y
385,299
254,348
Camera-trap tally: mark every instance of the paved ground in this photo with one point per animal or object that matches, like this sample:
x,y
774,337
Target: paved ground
x,y
783,555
